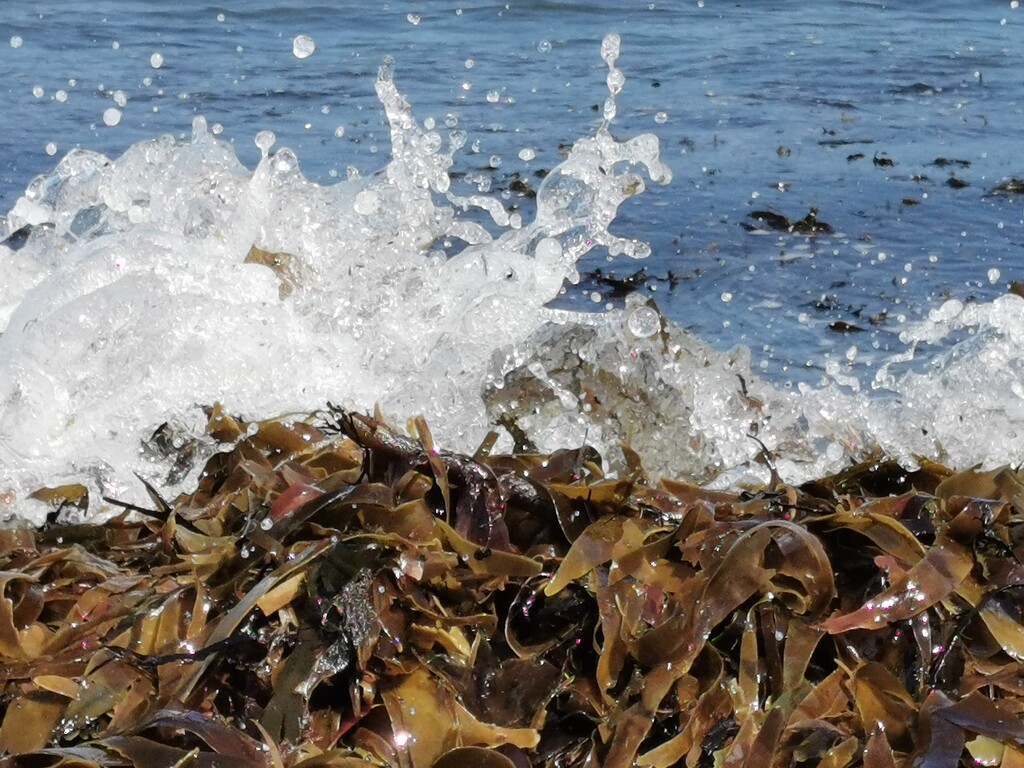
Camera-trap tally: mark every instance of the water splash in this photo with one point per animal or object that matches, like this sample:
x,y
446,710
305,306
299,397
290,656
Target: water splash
x,y
136,295
173,276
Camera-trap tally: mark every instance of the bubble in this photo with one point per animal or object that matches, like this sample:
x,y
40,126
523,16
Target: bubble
x,y
16,41
470,63
339,131
596,297
303,46
37,91
266,524
61,96
221,17
116,45
156,60
51,149
994,275
413,18
726,297
493,97
544,46
112,116
495,161
661,117
120,98
643,322
526,154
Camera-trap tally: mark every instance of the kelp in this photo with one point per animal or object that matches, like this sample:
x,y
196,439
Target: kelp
x,y
334,593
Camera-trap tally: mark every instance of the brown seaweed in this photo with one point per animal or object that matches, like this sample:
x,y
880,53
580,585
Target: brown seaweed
x,y
335,593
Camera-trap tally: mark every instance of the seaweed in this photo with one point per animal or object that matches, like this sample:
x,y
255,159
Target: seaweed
x,y
337,593
808,225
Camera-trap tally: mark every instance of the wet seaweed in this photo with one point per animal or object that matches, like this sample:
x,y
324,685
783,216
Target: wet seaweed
x,y
808,225
337,593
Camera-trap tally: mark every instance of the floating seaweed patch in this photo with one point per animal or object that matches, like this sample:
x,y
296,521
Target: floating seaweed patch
x,y
808,225
1009,187
336,593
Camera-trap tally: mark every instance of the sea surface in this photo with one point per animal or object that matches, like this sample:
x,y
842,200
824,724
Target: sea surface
x,y
881,133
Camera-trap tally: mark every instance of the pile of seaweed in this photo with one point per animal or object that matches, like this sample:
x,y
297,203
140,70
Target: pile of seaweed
x,y
336,593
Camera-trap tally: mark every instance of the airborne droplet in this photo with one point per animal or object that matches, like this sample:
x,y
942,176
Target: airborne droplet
x,y
303,46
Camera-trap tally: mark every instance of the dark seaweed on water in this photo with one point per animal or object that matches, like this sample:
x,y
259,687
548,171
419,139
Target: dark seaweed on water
x,y
336,593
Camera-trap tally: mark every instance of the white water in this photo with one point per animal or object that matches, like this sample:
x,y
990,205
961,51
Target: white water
x,y
132,304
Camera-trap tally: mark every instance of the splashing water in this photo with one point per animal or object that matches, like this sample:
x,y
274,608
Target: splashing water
x,y
132,300
174,277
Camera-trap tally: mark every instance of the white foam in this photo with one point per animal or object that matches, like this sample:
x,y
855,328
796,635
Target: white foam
x,y
131,303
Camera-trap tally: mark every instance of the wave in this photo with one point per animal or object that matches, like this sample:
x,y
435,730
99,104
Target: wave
x,y
141,288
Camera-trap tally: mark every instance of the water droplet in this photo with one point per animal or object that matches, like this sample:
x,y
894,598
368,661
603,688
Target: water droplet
x,y
220,17
661,117
495,161
413,18
994,275
16,41
303,46
116,45
726,297
339,131
526,154
643,322
544,46
470,63
51,149
266,524
493,97
37,91
112,116
61,96
616,79
156,60
265,140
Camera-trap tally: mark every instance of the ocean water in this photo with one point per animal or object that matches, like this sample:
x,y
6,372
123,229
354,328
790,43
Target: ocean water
x,y
125,300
